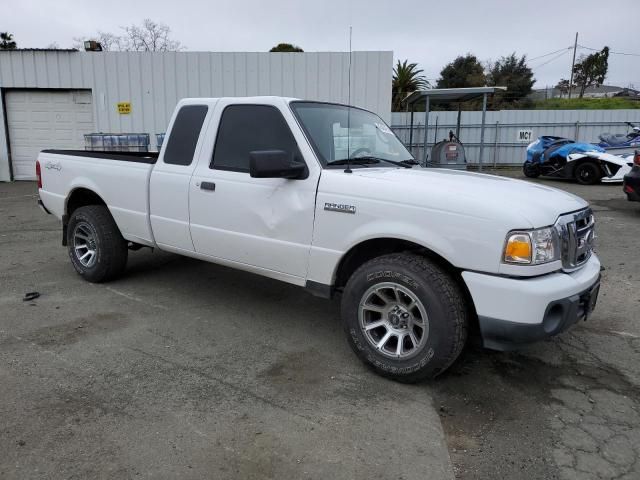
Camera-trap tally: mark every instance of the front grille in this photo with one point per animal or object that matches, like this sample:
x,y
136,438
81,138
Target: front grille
x,y
576,233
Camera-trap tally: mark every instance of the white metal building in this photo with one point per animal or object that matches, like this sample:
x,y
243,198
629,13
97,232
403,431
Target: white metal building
x,y
51,98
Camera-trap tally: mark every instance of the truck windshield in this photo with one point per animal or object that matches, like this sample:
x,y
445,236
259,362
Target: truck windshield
x,y
339,132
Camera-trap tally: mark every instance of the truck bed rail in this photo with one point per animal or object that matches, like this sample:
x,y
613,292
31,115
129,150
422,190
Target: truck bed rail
x,y
138,157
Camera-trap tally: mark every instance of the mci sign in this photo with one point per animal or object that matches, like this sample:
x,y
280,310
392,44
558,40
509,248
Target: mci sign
x,y
524,136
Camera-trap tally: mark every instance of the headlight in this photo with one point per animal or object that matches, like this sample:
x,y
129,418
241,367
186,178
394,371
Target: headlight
x,y
532,247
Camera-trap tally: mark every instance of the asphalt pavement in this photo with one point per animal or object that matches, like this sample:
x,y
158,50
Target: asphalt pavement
x,y
567,408
184,369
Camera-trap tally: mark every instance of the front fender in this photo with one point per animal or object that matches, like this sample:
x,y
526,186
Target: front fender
x,y
398,230
464,241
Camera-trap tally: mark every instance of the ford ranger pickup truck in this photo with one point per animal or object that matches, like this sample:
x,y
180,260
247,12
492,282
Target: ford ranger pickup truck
x,y
326,197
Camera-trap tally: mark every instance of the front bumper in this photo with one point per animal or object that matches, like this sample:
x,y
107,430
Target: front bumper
x,y
516,311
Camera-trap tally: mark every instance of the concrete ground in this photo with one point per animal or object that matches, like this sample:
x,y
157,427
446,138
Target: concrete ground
x,y
183,368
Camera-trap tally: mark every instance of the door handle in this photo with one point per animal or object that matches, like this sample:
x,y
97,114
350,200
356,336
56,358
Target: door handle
x,y
208,186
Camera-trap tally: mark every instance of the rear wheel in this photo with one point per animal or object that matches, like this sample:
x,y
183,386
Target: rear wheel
x,y
96,247
588,173
531,170
404,316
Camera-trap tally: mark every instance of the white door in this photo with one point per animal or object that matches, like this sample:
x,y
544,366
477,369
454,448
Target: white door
x,y
257,222
170,177
41,119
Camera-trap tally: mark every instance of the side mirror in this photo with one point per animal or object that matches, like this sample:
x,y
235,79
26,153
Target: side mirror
x,y
275,164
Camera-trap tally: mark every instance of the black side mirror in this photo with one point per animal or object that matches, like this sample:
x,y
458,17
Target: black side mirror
x,y
276,164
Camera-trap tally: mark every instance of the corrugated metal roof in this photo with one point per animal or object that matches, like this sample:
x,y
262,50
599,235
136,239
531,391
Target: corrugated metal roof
x,y
41,50
445,95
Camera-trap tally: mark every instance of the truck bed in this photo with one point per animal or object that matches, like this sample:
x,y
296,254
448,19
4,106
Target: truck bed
x,y
120,179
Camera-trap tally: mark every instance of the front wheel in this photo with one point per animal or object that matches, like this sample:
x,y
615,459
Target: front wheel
x,y
96,247
404,316
588,173
531,170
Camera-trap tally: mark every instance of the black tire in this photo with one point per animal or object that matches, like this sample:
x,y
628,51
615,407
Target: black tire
x,y
441,298
588,173
110,248
530,170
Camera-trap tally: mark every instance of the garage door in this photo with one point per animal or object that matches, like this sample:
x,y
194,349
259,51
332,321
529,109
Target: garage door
x,y
39,119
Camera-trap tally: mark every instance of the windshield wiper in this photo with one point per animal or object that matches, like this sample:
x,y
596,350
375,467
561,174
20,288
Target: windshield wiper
x,y
368,160
380,159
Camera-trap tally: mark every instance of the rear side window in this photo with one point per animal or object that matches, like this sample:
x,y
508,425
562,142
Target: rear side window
x,y
184,135
247,128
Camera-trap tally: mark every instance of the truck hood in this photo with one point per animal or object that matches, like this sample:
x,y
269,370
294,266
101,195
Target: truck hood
x,y
466,193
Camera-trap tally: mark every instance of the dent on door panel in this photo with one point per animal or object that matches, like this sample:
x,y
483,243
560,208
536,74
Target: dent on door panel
x,y
261,222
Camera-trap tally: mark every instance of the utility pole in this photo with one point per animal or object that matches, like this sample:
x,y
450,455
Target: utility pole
x,y
573,62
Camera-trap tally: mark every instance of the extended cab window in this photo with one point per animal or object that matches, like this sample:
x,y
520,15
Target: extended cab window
x,y
184,135
248,128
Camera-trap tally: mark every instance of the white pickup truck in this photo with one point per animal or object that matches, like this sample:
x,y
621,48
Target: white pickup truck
x,y
326,197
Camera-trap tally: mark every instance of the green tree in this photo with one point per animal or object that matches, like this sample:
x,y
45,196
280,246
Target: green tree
x,y
7,42
514,73
407,78
591,70
464,71
286,47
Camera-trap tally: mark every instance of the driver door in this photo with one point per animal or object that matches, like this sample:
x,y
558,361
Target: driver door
x,y
264,224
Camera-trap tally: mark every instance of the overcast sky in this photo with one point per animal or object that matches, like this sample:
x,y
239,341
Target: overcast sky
x,y
427,32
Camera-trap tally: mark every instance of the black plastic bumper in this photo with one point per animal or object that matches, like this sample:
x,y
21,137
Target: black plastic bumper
x,y
558,316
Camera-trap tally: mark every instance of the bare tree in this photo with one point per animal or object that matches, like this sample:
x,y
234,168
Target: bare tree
x,y
108,41
564,87
148,37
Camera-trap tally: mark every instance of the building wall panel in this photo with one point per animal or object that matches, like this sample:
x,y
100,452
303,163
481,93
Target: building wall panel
x,y
154,82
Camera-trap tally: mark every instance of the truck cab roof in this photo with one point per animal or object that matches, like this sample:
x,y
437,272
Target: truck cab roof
x,y
266,99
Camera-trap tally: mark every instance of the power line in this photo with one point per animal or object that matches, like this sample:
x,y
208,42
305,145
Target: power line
x,y
550,60
614,53
550,53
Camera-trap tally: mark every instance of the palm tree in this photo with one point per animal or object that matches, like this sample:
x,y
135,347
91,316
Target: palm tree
x,y
407,78
6,41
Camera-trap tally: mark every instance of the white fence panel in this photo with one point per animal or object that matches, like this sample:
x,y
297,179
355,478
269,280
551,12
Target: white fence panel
x,y
502,143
